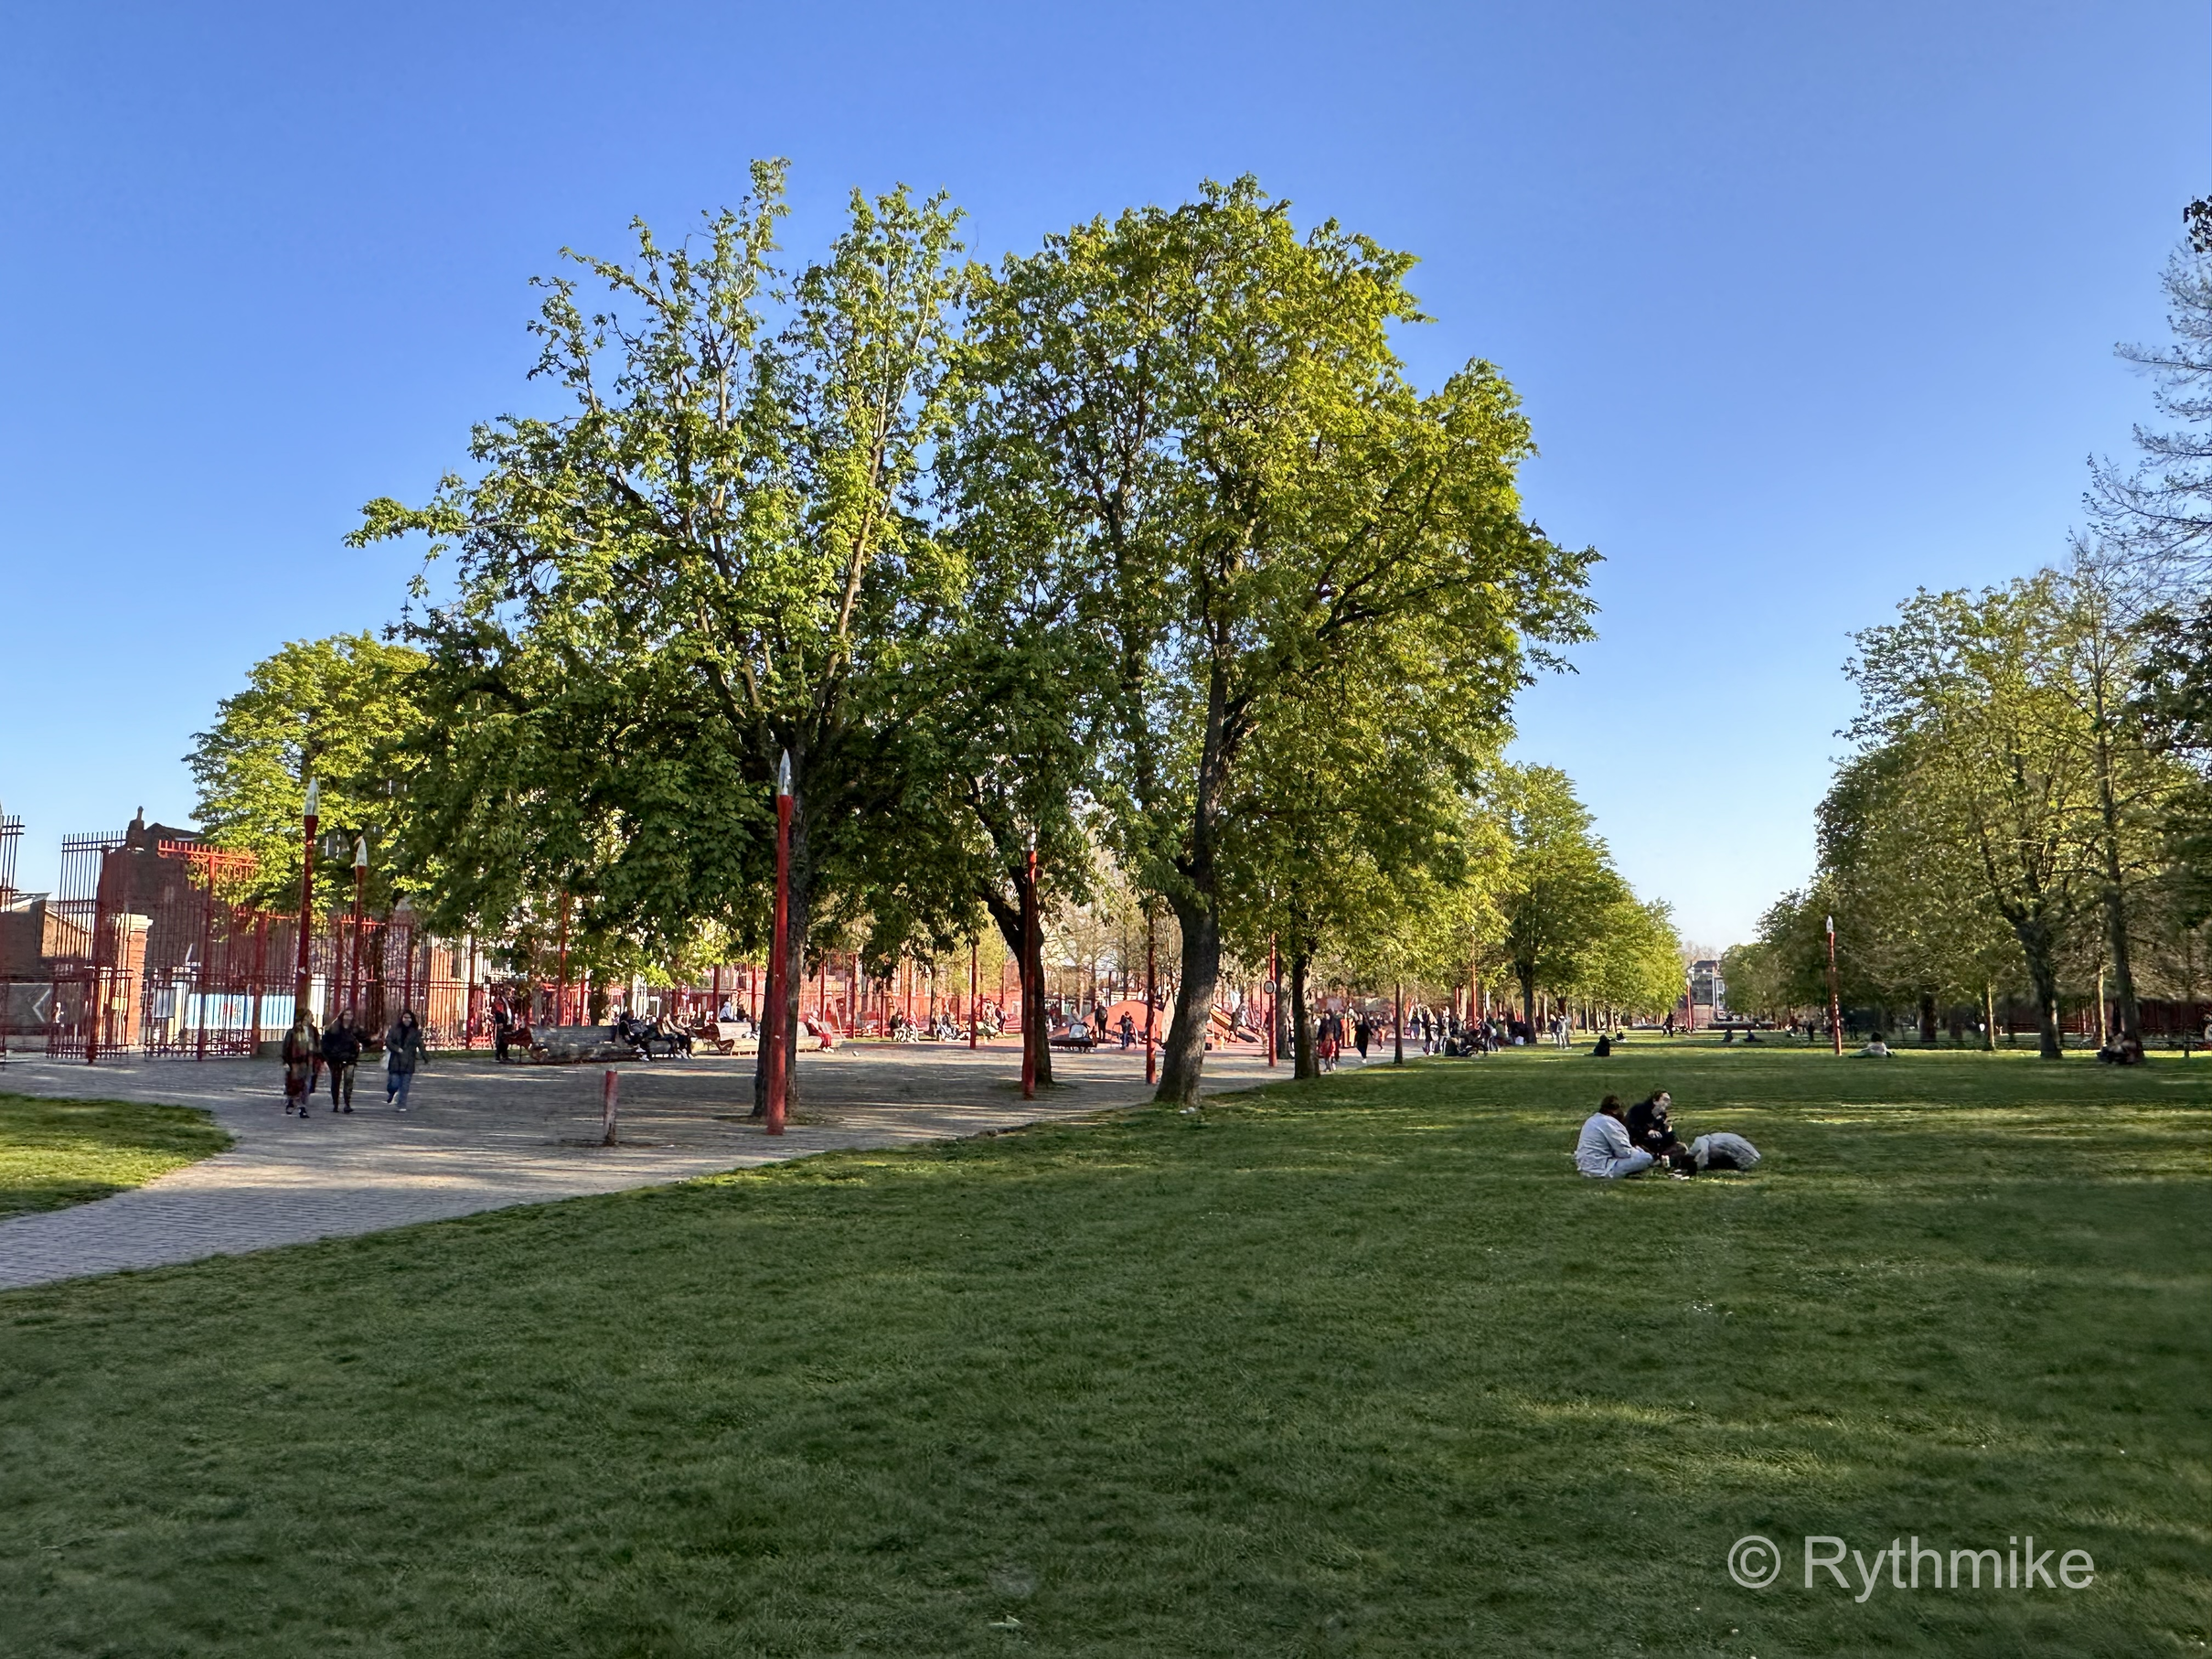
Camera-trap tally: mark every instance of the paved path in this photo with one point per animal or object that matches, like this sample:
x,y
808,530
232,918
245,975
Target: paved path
x,y
482,1137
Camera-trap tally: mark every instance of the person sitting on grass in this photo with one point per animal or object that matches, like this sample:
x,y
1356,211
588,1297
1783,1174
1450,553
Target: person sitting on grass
x,y
1605,1151
1875,1050
1651,1127
1721,1150
1604,1046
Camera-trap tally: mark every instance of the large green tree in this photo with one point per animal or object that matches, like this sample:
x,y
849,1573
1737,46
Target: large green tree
x,y
1914,924
1968,699
1351,836
337,710
1560,892
716,555
1204,409
1634,965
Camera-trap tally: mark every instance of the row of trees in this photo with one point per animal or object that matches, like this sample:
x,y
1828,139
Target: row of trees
x,y
1140,551
2027,806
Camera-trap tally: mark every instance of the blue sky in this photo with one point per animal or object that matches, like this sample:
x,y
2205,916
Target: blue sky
x,y
1808,306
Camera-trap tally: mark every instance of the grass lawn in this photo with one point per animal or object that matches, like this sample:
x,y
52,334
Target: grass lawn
x,y
54,1153
1360,1367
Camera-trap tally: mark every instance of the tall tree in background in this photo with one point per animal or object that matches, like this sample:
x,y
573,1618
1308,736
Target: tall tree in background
x,y
999,759
2158,515
1915,921
2136,787
1352,835
1634,965
1560,888
721,541
1204,408
335,710
1969,693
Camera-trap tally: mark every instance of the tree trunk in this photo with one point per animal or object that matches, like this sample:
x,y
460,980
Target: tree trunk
x,y
1184,1057
1988,1018
1198,910
2115,890
1301,1023
1029,962
795,969
1528,1003
2043,981
1036,1024
1928,1018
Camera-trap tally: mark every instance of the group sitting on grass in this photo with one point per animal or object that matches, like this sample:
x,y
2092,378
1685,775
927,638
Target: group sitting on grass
x,y
1616,1144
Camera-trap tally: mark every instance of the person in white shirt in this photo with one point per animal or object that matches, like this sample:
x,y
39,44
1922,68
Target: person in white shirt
x,y
1605,1151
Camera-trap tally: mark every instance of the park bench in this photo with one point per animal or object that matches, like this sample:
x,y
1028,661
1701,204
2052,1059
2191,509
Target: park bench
x,y
723,1039
570,1044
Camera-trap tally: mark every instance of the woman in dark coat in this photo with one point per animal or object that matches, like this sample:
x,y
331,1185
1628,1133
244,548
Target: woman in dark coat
x,y
402,1055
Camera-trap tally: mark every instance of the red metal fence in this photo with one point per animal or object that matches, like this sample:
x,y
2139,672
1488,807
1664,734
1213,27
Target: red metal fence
x,y
147,945
141,945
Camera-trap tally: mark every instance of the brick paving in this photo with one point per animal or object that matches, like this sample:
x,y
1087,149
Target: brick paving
x,y
480,1136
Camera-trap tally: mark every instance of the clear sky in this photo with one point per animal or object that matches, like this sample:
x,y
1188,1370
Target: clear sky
x,y
1809,305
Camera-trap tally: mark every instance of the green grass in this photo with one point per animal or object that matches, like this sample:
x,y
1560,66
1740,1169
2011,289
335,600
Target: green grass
x,y
54,1153
1355,1369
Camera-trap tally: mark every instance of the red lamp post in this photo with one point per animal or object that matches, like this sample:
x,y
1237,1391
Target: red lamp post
x,y
361,886
1274,996
775,1020
1836,1010
304,987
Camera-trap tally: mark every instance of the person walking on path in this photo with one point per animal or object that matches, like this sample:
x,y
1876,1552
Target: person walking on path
x,y
301,1045
342,1053
402,1055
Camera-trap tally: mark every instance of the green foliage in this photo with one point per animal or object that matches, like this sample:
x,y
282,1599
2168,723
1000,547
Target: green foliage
x,y
1912,901
1203,411
1338,1369
1560,893
718,555
1634,965
1792,961
336,710
1354,839
2002,781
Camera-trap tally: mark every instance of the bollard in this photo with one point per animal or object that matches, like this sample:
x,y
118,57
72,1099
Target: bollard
x,y
607,1089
